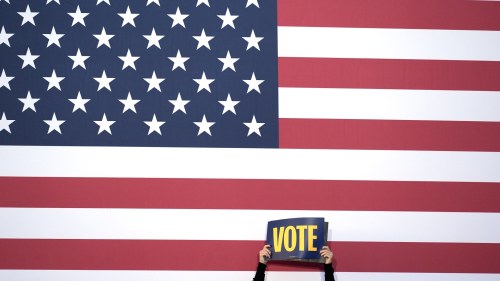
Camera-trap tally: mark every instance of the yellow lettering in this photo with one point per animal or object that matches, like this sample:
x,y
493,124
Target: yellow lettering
x,y
302,238
278,238
290,245
287,237
311,237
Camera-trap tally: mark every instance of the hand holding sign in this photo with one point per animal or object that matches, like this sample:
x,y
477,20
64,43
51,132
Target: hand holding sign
x,y
327,254
265,254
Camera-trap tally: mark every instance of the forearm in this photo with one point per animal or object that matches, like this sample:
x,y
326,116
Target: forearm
x,y
260,273
329,272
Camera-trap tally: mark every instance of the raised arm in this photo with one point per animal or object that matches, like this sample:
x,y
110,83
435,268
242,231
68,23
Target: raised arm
x,y
264,255
328,255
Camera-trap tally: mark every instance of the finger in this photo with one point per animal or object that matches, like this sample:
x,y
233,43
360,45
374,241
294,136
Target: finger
x,y
265,252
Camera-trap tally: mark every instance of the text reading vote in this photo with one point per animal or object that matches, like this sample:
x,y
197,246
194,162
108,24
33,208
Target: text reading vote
x,y
287,237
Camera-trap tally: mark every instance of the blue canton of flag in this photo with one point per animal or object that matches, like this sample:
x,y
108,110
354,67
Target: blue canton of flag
x,y
139,73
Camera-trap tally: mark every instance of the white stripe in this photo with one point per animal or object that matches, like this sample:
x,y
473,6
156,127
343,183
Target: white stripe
x,y
158,162
389,104
187,224
134,275
380,43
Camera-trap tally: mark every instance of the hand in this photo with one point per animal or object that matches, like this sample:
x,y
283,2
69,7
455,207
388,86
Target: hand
x,y
327,254
264,254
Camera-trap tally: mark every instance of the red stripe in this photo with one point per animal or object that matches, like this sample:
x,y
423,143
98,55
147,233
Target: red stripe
x,y
426,14
248,194
388,74
241,255
389,135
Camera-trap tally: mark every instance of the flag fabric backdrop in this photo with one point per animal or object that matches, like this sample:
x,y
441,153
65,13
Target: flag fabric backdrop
x,y
136,147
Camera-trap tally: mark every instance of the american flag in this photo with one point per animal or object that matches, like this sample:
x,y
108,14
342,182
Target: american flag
x,y
154,139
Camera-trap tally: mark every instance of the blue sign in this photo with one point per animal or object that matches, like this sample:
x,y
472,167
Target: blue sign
x,y
297,238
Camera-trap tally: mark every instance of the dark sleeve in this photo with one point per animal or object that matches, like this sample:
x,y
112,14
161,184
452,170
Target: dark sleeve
x,y
329,272
260,273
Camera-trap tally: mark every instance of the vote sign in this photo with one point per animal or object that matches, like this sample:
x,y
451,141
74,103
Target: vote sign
x,y
297,238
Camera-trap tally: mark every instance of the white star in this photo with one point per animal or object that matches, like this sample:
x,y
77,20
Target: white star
x,y
178,18
153,39
104,81
202,2
229,104
54,124
253,84
154,125
105,1
4,37
4,80
103,38
128,60
79,103
8,1
157,2
203,40
228,62
254,127
28,59
28,16
54,81
203,83
253,41
128,17
57,1
104,124
154,82
5,123
204,126
129,103
228,19
29,102
253,2
178,60
78,16
78,59
179,104
53,37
